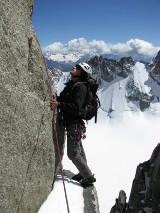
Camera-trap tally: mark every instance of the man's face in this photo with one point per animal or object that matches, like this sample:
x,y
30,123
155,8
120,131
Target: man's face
x,y
75,72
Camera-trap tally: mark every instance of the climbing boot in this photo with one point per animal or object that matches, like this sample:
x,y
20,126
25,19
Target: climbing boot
x,y
88,181
77,177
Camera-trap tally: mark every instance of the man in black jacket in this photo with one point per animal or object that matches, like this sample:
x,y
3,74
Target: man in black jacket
x,y
69,104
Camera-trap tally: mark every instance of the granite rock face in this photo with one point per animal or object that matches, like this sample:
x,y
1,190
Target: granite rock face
x,y
27,162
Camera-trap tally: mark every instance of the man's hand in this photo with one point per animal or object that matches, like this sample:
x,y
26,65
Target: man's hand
x,y
53,103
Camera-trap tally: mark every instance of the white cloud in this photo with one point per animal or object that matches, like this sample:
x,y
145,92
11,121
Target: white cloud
x,y
133,47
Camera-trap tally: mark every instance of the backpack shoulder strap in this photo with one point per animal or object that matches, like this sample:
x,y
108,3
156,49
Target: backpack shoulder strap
x,y
79,83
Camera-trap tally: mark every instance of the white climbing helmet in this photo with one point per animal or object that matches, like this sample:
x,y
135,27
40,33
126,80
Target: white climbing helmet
x,y
86,67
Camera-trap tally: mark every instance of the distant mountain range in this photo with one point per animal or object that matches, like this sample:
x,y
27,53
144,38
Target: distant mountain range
x,y
65,62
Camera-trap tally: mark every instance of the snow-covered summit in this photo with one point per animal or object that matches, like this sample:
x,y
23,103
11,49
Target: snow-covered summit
x,y
64,62
138,92
64,57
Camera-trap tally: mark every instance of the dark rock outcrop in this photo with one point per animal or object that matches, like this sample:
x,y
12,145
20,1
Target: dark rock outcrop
x,y
145,192
134,94
154,68
120,205
105,67
125,65
26,146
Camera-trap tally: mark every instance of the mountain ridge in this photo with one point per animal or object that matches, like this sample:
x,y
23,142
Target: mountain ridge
x,y
133,82
66,61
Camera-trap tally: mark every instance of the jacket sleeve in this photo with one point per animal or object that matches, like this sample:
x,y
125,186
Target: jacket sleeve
x,y
78,98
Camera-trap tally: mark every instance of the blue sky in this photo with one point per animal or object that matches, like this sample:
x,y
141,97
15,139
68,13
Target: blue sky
x,y
111,21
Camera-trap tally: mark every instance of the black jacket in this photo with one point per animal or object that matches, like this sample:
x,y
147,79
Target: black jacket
x,y
71,100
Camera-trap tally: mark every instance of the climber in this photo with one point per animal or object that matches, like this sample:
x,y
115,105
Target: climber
x,y
69,103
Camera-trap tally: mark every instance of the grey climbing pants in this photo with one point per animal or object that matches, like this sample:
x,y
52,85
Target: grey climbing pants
x,y
76,152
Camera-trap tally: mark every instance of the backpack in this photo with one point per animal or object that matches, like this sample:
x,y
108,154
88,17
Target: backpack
x,y
92,102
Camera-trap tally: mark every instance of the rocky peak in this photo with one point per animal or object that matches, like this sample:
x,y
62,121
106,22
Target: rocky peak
x,y
157,58
109,69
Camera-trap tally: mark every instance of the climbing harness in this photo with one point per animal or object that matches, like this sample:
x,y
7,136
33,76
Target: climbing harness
x,y
79,132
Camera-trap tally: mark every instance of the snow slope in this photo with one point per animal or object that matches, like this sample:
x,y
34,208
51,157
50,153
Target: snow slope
x,y
56,200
